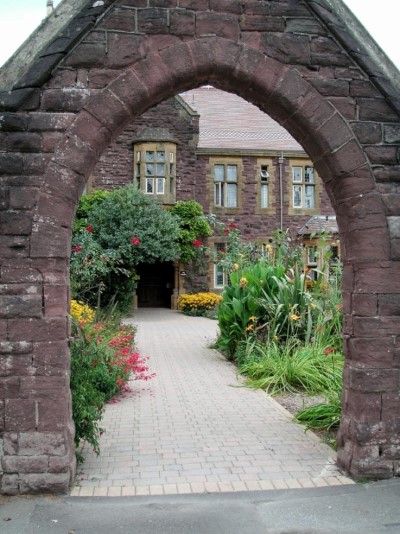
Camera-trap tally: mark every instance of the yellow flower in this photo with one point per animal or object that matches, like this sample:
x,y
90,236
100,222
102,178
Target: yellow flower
x,y
253,318
250,327
241,256
313,306
235,267
276,338
294,317
243,282
269,248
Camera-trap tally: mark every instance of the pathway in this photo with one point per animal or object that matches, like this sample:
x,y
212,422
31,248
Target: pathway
x,y
192,429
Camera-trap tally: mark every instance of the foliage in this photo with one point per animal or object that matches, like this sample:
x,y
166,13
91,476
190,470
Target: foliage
x,y
126,228
87,203
326,415
291,367
102,362
193,227
199,303
136,227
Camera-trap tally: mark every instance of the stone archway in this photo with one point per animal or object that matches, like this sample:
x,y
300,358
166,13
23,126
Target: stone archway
x,y
38,432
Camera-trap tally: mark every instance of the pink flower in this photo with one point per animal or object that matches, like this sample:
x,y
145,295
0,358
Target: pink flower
x,y
232,225
78,248
197,243
89,229
135,241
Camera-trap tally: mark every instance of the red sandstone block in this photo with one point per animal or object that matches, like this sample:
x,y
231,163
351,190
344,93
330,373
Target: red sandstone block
x,y
365,305
163,3
362,407
24,142
133,3
367,352
346,159
60,464
42,122
1,416
367,132
181,63
156,76
109,110
15,223
182,23
44,387
56,300
119,19
334,133
217,24
35,443
195,5
363,88
9,484
152,20
25,464
46,329
227,6
287,48
51,140
376,109
373,380
391,407
16,365
20,306
9,387
51,358
56,210
45,483
53,414
23,198
261,23
366,244
50,240
383,278
91,131
35,164
76,155
382,155
20,415
123,50
22,347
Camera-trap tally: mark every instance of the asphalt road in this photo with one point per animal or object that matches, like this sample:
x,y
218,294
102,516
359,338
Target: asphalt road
x,y
361,508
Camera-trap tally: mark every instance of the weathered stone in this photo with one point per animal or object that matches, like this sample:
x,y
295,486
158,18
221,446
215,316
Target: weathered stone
x,y
13,122
15,223
119,19
372,380
331,87
368,132
20,415
24,142
54,328
51,358
374,109
35,443
182,23
20,306
260,23
25,464
217,24
44,483
9,484
152,20
365,305
391,133
368,352
23,198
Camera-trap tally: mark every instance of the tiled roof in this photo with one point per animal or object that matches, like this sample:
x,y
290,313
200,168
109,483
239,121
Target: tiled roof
x,y
228,121
319,224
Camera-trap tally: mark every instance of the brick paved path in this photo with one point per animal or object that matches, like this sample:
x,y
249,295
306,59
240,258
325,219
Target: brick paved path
x,y
194,429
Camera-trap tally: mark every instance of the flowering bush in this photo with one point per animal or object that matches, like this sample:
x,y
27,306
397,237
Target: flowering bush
x,y
102,363
199,303
81,313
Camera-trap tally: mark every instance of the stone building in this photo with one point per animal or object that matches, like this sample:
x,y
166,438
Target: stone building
x,y
238,163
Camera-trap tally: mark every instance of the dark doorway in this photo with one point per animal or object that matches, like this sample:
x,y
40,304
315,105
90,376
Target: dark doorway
x,y
155,285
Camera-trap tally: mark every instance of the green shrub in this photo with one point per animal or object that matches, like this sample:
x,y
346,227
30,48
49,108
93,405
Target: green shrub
x,y
290,367
87,203
326,415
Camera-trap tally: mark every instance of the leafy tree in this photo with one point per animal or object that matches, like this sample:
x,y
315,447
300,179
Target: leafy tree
x,y
86,205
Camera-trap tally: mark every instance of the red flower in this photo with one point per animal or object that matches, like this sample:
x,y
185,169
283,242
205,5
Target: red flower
x,y
78,248
232,225
227,231
89,229
329,350
135,241
197,243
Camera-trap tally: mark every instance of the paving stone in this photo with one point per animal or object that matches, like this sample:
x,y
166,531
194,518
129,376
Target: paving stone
x,y
189,431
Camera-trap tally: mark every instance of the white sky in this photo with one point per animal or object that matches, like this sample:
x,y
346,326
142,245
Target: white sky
x,y
18,18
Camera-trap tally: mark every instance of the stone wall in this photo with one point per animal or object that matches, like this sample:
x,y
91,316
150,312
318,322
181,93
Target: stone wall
x,y
306,64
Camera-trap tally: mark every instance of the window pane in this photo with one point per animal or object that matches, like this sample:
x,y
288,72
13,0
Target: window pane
x,y
231,173
219,277
264,196
149,185
161,156
231,195
297,174
297,196
311,255
160,186
309,175
149,156
264,173
219,173
149,169
218,194
310,196
160,167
